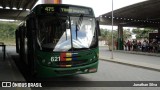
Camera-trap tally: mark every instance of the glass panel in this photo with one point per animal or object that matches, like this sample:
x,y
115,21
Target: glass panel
x,y
56,33
50,31
83,29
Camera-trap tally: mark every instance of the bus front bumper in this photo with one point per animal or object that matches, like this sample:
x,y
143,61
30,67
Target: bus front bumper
x,y
43,71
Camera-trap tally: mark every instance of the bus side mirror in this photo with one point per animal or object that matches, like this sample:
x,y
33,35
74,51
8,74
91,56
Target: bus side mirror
x,y
98,28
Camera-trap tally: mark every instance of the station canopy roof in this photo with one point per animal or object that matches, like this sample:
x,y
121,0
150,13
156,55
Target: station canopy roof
x,y
15,9
143,14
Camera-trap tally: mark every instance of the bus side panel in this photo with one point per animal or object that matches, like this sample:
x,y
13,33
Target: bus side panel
x,y
17,41
21,34
30,44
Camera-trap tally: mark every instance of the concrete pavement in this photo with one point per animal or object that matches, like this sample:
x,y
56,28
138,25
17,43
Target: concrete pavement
x,y
9,72
145,65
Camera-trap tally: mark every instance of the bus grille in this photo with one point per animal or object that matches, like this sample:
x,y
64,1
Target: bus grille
x,y
72,63
66,71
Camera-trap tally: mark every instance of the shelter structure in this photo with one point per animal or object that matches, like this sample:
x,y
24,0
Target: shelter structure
x,y
143,14
15,9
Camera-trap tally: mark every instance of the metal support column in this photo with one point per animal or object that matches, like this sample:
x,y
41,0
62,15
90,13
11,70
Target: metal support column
x,y
3,50
120,37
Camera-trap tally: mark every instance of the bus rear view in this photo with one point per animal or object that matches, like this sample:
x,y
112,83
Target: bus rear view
x,y
60,40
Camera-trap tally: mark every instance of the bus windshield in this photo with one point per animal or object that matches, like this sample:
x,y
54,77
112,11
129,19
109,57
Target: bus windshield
x,y
62,33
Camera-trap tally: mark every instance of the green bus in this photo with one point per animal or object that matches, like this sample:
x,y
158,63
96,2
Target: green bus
x,y
59,40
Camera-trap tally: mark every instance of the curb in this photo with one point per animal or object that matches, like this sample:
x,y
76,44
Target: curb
x,y
140,53
143,65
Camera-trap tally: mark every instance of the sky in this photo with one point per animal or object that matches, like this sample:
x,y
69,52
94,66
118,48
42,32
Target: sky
x,y
101,6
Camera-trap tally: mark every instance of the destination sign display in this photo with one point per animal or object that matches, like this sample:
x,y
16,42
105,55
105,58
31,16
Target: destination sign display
x,y
66,10
75,10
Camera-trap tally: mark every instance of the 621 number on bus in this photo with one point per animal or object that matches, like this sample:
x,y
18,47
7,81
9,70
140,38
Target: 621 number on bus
x,y
55,59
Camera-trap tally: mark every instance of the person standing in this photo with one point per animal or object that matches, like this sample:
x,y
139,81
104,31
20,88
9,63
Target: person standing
x,y
139,45
129,45
144,46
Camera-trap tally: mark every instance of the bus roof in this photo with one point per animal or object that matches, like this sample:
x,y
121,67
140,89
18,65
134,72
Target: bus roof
x,y
61,5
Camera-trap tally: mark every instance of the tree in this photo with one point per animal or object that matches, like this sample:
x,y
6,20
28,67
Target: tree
x,y
126,34
107,36
7,32
104,33
142,33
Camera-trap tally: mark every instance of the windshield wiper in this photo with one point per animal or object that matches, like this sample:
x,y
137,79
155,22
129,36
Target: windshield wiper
x,y
68,26
66,34
76,30
78,24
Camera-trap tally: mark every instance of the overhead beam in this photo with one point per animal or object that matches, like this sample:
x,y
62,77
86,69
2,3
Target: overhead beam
x,y
12,14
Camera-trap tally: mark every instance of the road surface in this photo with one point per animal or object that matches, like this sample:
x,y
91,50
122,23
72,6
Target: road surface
x,y
107,71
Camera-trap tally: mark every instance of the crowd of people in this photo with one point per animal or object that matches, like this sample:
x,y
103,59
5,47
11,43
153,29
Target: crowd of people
x,y
144,46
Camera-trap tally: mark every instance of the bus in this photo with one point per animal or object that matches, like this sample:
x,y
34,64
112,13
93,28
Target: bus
x,y
58,40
